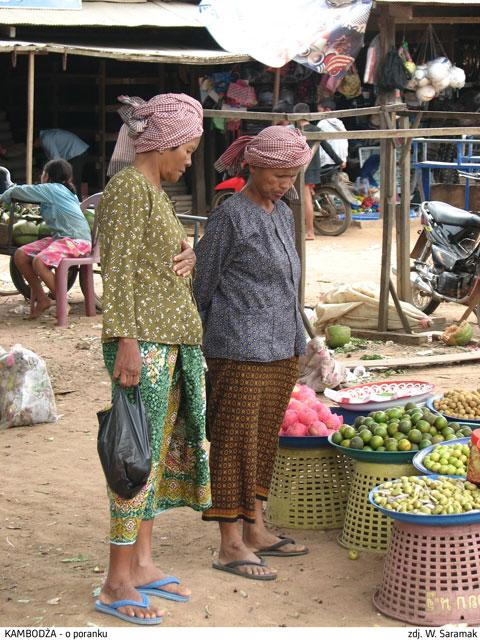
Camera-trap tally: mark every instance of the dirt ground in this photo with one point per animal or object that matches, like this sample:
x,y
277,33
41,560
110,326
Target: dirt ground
x,y
54,511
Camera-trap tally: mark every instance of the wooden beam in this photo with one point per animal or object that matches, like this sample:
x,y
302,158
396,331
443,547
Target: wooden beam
x,y
403,220
448,20
293,117
388,206
30,114
419,361
382,134
442,115
276,87
395,336
400,12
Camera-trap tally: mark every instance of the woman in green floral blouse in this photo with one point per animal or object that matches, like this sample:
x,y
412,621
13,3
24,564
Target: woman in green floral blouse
x,y
151,337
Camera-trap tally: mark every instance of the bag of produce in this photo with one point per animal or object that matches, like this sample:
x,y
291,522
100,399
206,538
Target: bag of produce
x,y
26,394
458,335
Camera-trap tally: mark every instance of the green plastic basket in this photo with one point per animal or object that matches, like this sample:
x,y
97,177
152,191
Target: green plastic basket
x,y
309,488
365,528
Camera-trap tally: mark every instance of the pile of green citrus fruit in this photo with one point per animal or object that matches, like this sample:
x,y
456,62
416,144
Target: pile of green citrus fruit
x,y
423,495
448,459
407,428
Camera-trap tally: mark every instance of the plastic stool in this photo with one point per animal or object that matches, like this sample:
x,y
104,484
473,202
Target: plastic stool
x,y
309,488
366,528
431,575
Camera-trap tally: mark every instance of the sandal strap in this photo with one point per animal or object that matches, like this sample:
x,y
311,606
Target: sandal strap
x,y
243,563
281,543
130,603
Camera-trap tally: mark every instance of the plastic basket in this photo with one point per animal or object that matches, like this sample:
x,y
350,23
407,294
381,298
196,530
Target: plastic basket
x,y
470,517
309,488
469,423
431,576
365,528
381,457
420,456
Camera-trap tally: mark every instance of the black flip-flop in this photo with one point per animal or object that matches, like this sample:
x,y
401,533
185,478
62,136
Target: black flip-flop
x,y
275,549
234,567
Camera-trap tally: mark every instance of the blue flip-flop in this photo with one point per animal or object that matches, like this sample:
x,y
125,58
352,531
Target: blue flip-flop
x,y
152,589
112,610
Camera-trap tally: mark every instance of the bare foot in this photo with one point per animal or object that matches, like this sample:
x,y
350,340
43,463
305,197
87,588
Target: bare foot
x,y
262,539
243,553
142,575
111,594
40,307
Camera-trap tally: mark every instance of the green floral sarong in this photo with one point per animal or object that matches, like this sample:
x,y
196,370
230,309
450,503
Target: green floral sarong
x,y
172,388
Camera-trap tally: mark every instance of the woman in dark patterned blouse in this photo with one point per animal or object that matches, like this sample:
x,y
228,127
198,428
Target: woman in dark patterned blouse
x,y
246,286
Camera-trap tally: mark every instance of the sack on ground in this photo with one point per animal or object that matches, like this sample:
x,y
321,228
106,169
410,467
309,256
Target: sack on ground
x,y
123,444
26,394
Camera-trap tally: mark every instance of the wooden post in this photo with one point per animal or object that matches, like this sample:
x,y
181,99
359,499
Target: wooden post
x,y
102,122
298,208
404,289
30,113
387,172
210,175
276,87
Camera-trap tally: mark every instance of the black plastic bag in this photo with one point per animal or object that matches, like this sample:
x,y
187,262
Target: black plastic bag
x,y
393,74
123,444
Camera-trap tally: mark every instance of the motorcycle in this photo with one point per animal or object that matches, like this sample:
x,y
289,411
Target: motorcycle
x,y
332,199
446,257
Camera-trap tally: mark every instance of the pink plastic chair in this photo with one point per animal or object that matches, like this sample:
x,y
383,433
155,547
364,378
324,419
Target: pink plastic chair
x,y
86,271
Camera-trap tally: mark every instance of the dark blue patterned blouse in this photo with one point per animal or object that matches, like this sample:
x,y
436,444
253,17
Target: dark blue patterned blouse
x,y
246,283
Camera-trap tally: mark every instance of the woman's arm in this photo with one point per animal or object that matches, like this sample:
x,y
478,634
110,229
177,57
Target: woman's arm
x,y
122,218
212,254
41,193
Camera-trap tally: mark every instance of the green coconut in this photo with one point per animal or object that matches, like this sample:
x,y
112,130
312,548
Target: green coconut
x,y
458,336
24,232
337,335
44,230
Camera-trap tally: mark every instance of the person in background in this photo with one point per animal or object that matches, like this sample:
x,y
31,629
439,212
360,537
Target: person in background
x,y
313,171
246,286
58,143
282,107
332,124
151,337
71,237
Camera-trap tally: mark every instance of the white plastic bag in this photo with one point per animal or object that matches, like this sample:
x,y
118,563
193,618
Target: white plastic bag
x,y
320,369
26,394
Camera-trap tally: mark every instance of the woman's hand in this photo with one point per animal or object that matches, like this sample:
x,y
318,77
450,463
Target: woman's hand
x,y
128,363
185,261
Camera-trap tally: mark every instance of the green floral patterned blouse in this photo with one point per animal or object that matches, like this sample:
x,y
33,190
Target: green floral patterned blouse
x,y
139,236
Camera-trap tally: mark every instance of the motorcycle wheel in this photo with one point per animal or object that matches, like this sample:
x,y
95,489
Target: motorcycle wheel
x,y
22,285
421,300
332,213
221,196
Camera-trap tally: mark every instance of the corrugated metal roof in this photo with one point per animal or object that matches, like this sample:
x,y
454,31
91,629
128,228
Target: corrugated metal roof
x,y
108,14
169,55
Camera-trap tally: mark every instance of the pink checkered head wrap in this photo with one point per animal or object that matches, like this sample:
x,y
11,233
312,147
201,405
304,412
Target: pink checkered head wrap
x,y
274,147
166,121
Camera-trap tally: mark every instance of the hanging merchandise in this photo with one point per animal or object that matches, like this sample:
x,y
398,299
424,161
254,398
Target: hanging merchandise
x,y
393,73
371,65
434,72
350,86
323,35
241,94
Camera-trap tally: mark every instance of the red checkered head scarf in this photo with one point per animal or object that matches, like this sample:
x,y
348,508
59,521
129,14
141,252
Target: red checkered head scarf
x,y
166,121
274,147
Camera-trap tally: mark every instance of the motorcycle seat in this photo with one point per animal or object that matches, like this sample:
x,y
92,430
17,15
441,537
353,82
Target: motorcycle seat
x,y
444,213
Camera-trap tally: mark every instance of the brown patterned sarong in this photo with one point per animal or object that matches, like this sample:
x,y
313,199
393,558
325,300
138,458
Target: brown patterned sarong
x,y
245,409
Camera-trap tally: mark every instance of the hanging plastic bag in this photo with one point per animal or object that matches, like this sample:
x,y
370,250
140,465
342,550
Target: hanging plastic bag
x,y
393,74
26,394
371,65
123,444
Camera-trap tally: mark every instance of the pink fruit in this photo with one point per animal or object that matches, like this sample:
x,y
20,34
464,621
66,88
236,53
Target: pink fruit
x,y
318,429
295,405
307,416
289,418
297,429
